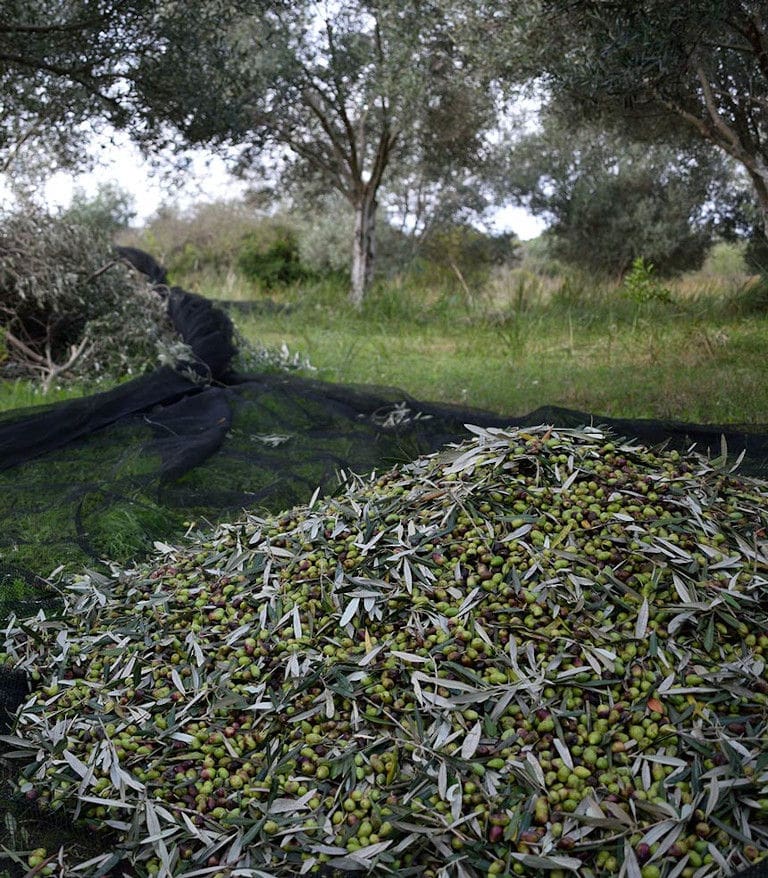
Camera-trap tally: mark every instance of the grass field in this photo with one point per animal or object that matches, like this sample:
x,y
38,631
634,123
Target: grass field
x,y
700,358
529,342
523,341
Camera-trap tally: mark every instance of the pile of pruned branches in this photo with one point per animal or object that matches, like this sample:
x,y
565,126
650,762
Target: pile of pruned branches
x,y
69,309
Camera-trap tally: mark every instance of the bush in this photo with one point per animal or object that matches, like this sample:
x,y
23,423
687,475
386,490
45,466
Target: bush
x,y
469,248
204,239
641,285
756,254
324,236
725,261
750,298
68,309
274,265
225,238
110,209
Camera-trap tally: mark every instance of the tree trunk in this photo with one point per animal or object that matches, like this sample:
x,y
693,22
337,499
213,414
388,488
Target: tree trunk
x,y
363,250
760,183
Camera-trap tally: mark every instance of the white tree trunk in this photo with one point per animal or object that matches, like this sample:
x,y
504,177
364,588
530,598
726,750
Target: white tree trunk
x,y
363,250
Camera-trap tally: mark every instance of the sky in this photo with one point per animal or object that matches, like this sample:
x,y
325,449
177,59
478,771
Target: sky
x,y
208,180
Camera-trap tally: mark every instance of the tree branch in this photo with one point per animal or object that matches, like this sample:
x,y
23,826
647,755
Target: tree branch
x,y
754,164
387,143
69,73
14,151
47,66
311,155
104,268
337,103
387,139
355,158
726,132
758,39
76,352
20,346
51,28
337,145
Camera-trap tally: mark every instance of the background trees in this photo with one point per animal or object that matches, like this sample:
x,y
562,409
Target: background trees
x,y
338,95
659,67
396,105
611,200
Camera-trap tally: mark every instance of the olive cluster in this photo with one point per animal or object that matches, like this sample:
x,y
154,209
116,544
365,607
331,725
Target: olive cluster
x,y
540,650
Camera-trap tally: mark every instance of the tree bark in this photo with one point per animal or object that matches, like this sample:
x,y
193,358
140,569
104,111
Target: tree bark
x,y
363,249
759,179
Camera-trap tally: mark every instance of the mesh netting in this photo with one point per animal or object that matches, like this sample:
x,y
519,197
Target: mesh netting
x,y
103,478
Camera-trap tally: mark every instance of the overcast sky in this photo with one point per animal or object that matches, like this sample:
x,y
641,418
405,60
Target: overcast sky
x,y
122,164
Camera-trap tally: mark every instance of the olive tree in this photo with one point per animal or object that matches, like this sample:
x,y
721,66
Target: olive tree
x,y
65,64
654,66
339,94
610,200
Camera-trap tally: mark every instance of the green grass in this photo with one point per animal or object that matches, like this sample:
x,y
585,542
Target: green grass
x,y
701,358
524,340
20,394
93,500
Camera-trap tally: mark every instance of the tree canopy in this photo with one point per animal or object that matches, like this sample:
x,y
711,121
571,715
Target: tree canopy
x,y
611,200
659,67
67,63
396,102
340,94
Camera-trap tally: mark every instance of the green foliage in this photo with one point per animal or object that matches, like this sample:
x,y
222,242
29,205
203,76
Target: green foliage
x,y
127,529
276,265
756,255
751,299
658,71
324,228
225,238
69,309
204,238
725,260
610,200
336,96
65,64
109,210
641,284
467,254
254,357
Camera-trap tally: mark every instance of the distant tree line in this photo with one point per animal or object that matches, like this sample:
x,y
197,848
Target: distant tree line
x,y
652,139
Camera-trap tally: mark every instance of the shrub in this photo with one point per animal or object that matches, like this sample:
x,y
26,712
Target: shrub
x,y
466,254
68,309
641,285
324,236
274,265
756,255
224,238
725,261
110,209
205,238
